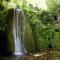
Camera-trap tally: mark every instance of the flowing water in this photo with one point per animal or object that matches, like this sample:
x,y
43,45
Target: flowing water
x,y
18,31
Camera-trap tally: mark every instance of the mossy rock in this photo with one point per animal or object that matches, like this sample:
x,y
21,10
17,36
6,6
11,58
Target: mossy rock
x,y
9,31
29,38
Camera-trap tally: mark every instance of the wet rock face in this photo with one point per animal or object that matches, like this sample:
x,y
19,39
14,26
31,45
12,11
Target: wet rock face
x,y
29,39
2,42
6,37
9,31
3,37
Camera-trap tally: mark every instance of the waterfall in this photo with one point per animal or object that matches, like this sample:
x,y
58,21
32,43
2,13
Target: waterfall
x,y
18,31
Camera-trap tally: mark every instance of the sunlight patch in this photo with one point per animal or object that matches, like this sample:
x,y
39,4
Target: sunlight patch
x,y
38,3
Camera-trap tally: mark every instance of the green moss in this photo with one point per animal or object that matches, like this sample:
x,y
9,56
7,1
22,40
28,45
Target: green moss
x,y
29,39
9,31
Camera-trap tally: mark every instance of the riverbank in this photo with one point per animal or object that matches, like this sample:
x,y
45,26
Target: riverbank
x,y
50,54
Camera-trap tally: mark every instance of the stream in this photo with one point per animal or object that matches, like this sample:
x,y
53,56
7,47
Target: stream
x,y
39,55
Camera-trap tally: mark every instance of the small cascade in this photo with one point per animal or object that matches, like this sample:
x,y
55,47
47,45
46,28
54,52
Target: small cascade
x,y
18,31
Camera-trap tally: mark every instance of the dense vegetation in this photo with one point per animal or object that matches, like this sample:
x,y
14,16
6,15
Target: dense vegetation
x,y
42,26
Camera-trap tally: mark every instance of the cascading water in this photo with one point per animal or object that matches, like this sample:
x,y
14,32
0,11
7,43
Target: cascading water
x,y
18,31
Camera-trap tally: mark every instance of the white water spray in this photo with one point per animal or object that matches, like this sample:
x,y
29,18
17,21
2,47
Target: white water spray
x,y
18,31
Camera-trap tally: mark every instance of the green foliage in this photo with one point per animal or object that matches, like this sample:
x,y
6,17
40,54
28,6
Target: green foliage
x,y
53,5
40,25
56,40
3,13
46,17
43,35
